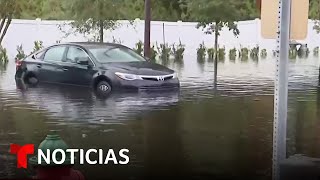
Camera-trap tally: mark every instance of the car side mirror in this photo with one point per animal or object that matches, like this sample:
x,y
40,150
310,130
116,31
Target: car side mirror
x,y
148,59
83,61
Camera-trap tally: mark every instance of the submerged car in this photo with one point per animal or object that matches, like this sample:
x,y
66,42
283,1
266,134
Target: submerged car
x,y
105,67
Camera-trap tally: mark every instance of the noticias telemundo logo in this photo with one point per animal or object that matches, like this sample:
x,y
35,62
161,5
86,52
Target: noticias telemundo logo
x,y
54,151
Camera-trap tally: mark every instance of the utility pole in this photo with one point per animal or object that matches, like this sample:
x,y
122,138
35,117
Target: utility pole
x,y
147,27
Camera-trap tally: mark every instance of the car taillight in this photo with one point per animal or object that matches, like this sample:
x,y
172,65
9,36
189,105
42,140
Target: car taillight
x,y
18,64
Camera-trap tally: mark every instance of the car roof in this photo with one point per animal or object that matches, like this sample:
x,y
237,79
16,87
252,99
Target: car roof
x,y
92,44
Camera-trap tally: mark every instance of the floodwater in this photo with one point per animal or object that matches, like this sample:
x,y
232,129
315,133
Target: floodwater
x,y
199,132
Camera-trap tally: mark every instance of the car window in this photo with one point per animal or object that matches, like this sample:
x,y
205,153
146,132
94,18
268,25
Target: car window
x,y
74,53
55,54
115,54
39,54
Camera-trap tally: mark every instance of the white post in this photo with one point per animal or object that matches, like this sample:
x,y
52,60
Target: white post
x,y
281,87
38,21
258,25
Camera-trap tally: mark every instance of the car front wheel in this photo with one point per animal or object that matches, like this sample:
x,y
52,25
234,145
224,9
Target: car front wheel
x,y
103,88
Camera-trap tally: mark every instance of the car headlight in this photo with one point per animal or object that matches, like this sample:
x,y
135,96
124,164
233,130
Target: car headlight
x,y
128,77
175,75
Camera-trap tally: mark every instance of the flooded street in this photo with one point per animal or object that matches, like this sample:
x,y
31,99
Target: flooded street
x,y
199,132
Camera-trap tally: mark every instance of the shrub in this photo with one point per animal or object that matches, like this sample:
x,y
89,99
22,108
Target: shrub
x,y
293,53
3,55
139,48
21,54
37,46
244,54
263,53
154,53
274,53
316,51
210,53
164,51
178,51
201,52
117,41
254,53
233,54
222,53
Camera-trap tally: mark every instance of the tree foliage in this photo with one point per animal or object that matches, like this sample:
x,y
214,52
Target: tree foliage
x,y
214,15
171,10
314,10
88,14
247,10
10,9
53,10
95,16
314,13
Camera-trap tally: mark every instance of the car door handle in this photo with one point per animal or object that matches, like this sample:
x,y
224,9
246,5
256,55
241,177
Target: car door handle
x,y
65,69
39,65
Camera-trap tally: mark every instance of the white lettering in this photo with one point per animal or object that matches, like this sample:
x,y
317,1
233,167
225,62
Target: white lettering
x,y
81,156
58,156
72,154
88,156
54,156
100,156
112,158
123,155
41,156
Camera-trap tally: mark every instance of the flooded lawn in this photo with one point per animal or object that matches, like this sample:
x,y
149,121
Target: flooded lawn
x,y
199,132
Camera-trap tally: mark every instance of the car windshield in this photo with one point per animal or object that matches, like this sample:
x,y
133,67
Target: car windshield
x,y
108,54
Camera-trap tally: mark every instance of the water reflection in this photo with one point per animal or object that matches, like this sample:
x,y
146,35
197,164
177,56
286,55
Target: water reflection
x,y
3,67
201,63
178,65
244,59
82,104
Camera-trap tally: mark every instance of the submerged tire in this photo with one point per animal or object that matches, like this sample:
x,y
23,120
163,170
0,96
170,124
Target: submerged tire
x,y
31,80
103,88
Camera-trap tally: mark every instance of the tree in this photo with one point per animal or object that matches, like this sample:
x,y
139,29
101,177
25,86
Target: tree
x,y
95,16
248,10
314,13
213,16
10,9
314,9
53,10
169,10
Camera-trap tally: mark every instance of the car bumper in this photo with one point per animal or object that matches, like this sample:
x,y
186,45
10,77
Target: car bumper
x,y
19,74
145,85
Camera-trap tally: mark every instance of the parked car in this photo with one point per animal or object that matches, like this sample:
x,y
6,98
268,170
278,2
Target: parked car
x,y
105,67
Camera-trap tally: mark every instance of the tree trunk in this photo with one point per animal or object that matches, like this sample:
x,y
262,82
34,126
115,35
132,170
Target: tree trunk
x,y
101,30
147,27
101,22
5,28
3,20
216,36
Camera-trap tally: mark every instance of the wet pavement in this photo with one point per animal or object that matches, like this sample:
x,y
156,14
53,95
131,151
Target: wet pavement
x,y
199,132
